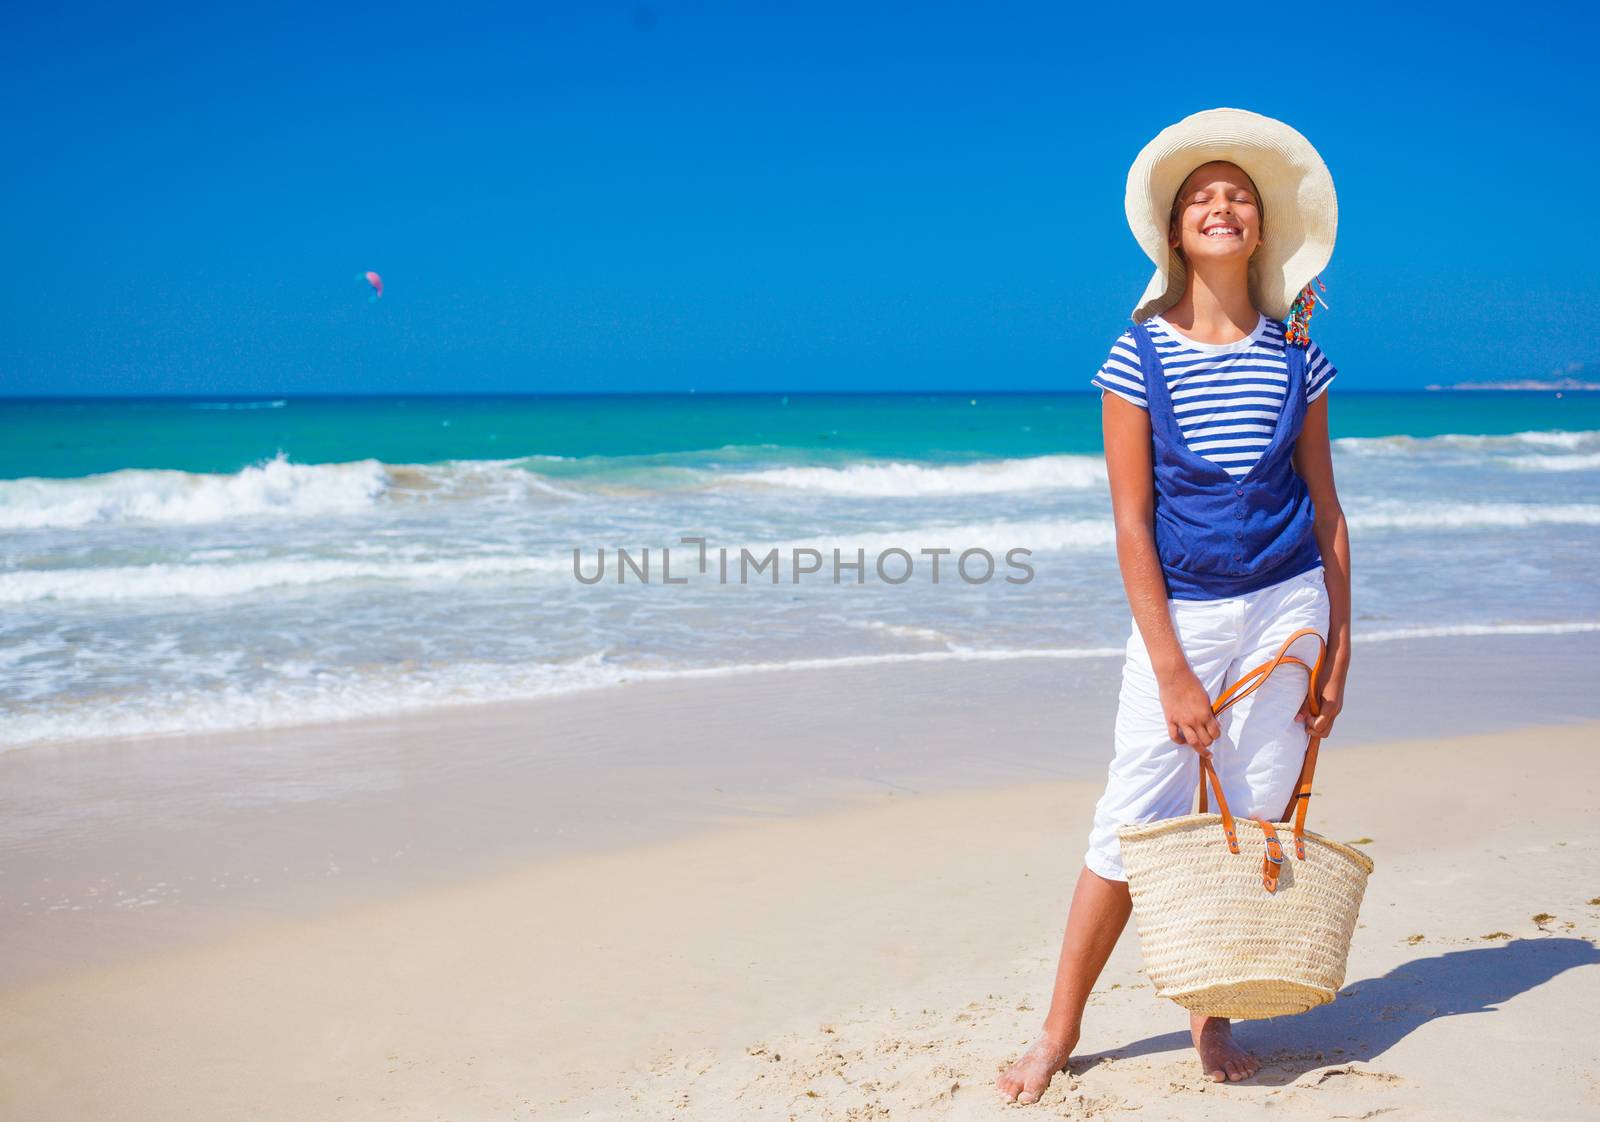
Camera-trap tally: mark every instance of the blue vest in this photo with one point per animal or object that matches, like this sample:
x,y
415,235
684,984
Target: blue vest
x,y
1217,536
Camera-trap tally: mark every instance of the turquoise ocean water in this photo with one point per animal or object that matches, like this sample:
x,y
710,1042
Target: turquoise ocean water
x,y
69,438
177,564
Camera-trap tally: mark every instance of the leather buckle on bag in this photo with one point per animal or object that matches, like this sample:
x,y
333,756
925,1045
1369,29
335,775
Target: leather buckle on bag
x,y
1272,865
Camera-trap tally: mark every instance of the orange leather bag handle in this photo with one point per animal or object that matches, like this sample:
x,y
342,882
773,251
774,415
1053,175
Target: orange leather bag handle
x,y
1246,685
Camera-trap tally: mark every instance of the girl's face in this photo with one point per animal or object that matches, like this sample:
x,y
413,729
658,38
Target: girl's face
x,y
1217,215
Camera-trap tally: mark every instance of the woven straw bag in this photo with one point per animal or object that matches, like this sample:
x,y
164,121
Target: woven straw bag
x,y
1227,932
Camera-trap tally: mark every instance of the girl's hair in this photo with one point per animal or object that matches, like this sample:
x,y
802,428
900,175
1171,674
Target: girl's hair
x,y
1177,199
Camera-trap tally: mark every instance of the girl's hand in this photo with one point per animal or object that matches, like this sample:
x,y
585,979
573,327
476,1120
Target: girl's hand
x,y
1188,710
1330,700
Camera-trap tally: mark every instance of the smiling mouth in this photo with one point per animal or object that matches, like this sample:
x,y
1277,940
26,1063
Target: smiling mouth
x,y
1222,232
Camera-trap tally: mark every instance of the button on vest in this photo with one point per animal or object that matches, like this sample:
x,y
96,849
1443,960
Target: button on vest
x,y
1217,536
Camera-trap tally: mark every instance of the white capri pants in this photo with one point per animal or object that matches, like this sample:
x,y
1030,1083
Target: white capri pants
x,y
1262,746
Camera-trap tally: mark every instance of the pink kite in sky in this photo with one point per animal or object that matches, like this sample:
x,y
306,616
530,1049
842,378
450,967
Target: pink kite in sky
x,y
377,285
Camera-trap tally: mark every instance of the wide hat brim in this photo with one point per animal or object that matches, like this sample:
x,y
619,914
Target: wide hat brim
x,y
1300,213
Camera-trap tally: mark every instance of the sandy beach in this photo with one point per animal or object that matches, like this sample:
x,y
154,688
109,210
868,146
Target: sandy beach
x,y
837,941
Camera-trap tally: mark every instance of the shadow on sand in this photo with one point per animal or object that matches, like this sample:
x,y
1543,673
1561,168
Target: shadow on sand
x,y
1371,1015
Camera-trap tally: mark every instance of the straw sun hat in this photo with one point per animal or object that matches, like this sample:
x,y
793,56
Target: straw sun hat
x,y
1299,213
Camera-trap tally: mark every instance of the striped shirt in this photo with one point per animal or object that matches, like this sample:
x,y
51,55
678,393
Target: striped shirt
x,y
1226,396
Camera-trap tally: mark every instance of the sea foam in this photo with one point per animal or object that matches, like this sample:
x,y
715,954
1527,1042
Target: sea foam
x,y
275,488
1401,514
895,479
216,581
1454,442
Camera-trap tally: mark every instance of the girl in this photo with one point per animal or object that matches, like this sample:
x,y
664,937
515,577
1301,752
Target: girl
x,y
1229,531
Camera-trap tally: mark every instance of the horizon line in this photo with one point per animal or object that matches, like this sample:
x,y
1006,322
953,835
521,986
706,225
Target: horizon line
x,y
457,394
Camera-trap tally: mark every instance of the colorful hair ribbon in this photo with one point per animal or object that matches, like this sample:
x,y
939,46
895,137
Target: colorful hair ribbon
x,y
1297,329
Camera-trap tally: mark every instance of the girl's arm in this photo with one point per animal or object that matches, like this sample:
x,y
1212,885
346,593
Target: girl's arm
x,y
1126,429
1313,460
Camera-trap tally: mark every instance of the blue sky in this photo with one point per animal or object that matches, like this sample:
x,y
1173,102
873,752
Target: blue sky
x,y
629,197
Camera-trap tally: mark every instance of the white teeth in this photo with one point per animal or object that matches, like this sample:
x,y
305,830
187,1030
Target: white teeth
x,y
1221,231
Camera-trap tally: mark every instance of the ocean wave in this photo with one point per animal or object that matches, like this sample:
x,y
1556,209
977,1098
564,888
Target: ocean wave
x,y
1045,535
211,574
1399,514
277,488
481,480
210,581
239,405
1453,630
1092,534
1070,535
1058,535
409,565
1578,384
1539,440
1583,461
910,480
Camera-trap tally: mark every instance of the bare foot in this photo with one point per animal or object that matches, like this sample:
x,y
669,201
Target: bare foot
x,y
1220,1058
1026,1080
